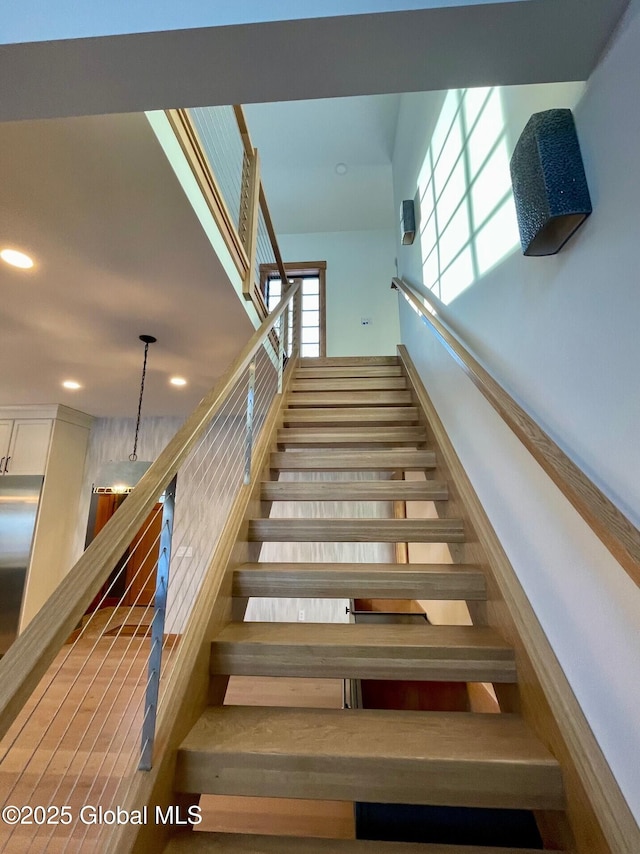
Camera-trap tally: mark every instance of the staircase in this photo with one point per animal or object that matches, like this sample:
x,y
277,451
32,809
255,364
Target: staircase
x,y
349,415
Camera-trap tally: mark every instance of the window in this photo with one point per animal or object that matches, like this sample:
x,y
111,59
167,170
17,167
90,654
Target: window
x,y
312,276
467,216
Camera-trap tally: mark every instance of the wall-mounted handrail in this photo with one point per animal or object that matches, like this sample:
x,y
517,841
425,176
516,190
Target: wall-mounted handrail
x,y
34,650
612,527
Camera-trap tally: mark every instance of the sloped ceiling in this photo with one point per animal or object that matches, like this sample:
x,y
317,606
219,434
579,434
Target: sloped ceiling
x,y
119,252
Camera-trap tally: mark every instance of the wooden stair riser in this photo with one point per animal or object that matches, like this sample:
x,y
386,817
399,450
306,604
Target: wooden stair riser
x,y
356,384
340,416
357,490
454,759
352,436
349,398
358,651
329,460
356,530
359,581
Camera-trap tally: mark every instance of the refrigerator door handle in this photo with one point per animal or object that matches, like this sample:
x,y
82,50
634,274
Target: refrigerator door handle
x,y
6,465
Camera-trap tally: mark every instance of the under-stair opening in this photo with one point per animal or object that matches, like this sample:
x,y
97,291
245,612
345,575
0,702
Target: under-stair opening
x,y
447,825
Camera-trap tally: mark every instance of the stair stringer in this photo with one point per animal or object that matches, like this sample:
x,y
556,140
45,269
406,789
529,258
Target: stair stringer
x,y
598,819
193,689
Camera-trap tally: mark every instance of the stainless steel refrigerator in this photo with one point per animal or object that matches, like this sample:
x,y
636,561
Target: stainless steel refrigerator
x,y
19,498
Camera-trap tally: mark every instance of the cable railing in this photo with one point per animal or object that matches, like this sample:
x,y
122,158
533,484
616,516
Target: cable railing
x,y
222,143
83,688
612,527
218,146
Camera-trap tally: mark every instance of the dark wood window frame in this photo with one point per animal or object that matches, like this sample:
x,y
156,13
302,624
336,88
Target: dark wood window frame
x,y
303,269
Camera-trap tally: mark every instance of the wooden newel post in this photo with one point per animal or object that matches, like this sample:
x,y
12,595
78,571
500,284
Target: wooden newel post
x,y
297,318
249,216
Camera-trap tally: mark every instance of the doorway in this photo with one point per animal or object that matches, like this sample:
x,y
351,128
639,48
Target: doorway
x,y
133,580
312,275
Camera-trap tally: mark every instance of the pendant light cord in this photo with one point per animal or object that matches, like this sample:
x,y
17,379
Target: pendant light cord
x,y
148,339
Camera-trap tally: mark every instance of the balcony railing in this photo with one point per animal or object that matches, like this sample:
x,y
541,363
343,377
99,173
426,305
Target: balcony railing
x,y
218,147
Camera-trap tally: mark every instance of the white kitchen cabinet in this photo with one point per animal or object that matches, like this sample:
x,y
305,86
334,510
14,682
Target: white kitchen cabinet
x,y
49,440
28,447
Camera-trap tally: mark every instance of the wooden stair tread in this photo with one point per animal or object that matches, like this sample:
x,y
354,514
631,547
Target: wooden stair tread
x,y
455,758
354,490
350,435
348,384
356,530
348,398
194,842
331,371
360,580
361,651
350,415
350,460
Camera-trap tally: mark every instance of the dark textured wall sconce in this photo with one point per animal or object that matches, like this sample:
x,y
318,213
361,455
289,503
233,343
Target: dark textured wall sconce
x,y
549,185
407,222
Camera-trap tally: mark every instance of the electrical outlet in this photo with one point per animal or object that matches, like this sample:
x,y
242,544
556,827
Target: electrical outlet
x,y
301,616
366,321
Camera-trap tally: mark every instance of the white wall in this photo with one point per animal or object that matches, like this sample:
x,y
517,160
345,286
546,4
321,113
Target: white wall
x,y
561,333
360,266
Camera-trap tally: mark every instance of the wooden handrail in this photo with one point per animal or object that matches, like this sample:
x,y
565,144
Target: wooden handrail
x,y
612,527
249,150
272,235
33,651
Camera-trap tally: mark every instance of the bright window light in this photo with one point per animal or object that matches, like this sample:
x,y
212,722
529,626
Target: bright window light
x,y
497,238
468,220
457,277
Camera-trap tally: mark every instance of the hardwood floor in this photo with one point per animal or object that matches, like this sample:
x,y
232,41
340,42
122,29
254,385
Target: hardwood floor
x,y
72,742
77,731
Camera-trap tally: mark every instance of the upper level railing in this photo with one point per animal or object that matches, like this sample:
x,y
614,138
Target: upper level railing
x,y
106,654
612,527
218,147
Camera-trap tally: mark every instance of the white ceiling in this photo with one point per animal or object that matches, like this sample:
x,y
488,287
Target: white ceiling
x,y
119,252
301,142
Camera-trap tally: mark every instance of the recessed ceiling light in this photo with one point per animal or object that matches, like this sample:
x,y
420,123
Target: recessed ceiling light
x,y
341,168
71,384
16,259
178,381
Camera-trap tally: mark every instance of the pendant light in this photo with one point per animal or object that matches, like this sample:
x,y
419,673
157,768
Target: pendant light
x,y
120,477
